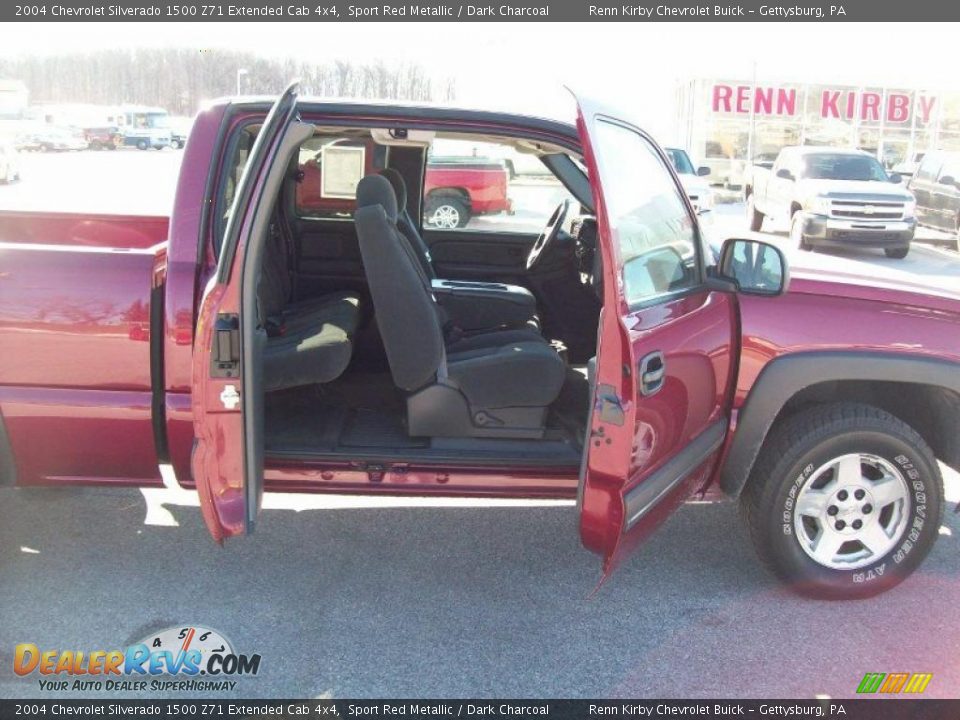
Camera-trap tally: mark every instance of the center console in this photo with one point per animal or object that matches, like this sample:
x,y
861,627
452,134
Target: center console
x,y
474,305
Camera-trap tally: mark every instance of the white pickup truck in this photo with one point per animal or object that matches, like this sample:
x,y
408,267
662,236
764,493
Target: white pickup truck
x,y
833,197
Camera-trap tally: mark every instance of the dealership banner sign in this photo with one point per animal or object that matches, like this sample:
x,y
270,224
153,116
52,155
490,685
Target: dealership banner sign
x,y
840,104
442,10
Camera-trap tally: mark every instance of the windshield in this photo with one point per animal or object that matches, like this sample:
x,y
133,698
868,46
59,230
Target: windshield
x,y
680,161
828,166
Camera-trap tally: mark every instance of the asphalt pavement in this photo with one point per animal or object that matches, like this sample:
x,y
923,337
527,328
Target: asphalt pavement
x,y
365,598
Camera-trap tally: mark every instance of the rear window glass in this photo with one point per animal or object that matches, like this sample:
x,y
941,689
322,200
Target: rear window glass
x,y
238,154
329,170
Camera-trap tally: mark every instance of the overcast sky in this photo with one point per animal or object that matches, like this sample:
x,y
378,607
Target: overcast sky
x,y
524,66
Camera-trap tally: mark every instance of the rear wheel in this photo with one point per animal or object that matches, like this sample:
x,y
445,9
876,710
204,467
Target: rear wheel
x,y
796,232
143,145
844,501
754,216
897,253
447,212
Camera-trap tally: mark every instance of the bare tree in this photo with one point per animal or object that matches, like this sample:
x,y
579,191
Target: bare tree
x,y
179,79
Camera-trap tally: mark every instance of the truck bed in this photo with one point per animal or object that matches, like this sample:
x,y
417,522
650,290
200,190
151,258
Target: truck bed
x,y
75,344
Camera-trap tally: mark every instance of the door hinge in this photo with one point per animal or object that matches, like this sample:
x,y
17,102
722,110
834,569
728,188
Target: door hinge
x,y
225,355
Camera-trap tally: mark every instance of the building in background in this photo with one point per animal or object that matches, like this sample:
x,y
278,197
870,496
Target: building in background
x,y
726,123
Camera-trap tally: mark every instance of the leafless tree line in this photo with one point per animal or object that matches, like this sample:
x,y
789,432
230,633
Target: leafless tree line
x,y
181,79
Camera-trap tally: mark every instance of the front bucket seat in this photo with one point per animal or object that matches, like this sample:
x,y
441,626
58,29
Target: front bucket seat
x,y
500,384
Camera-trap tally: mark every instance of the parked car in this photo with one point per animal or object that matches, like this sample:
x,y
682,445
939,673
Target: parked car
x,y
329,355
179,131
692,179
833,197
58,139
103,138
9,162
457,189
908,168
936,186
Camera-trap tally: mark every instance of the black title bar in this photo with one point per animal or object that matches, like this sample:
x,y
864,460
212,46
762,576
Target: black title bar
x,y
830,709
445,10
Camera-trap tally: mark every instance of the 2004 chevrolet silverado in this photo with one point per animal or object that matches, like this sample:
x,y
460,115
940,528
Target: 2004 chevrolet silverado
x,y
608,358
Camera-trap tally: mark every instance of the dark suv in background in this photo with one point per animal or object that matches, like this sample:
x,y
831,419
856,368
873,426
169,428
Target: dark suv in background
x,y
936,186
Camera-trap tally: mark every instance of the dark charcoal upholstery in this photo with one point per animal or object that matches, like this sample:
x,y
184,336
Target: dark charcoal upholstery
x,y
480,313
405,223
504,370
315,344
308,341
407,317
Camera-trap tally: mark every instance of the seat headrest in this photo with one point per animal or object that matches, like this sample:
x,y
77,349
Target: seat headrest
x,y
377,190
399,186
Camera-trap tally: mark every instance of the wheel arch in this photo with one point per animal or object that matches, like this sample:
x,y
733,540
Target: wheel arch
x,y
450,191
791,382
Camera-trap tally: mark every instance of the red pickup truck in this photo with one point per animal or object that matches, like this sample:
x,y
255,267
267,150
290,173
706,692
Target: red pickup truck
x,y
454,189
616,361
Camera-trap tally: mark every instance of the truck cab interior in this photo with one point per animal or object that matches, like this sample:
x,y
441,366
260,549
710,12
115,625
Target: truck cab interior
x,y
426,296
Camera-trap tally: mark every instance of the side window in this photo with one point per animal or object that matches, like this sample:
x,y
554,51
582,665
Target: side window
x,y
928,168
648,218
330,168
950,171
487,186
238,153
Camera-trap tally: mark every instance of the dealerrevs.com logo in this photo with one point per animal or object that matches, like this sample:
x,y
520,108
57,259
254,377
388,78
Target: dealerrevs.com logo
x,y
173,659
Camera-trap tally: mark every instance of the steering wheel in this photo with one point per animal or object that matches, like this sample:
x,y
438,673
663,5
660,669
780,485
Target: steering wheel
x,y
549,234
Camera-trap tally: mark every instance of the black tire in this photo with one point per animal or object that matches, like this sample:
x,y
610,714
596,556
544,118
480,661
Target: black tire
x,y
754,216
791,455
897,253
796,232
143,145
457,208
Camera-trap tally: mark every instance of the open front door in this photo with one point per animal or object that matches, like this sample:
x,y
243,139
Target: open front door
x,y
665,357
227,398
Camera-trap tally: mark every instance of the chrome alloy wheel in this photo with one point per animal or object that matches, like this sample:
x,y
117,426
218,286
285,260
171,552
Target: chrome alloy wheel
x,y
851,511
445,216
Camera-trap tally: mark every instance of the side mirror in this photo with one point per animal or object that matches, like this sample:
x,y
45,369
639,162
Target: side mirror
x,y
896,178
947,180
756,267
785,174
703,170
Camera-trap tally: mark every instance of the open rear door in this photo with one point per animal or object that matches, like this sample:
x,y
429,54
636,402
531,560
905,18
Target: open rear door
x,y
227,460
665,357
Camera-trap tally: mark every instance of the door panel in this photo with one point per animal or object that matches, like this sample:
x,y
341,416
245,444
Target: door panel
x,y
474,255
665,361
227,460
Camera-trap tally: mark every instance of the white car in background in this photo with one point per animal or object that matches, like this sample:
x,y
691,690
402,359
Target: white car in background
x,y
693,180
9,162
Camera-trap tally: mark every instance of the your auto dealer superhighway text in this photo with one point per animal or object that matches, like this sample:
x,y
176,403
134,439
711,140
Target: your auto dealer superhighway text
x,y
779,11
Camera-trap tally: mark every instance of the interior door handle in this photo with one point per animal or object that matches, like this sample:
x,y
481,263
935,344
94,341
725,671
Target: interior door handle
x,y
653,371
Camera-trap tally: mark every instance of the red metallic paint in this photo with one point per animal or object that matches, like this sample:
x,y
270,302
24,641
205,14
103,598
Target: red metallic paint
x,y
696,335
74,345
75,392
486,187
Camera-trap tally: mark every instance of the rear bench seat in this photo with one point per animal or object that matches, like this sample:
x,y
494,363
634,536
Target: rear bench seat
x,y
309,341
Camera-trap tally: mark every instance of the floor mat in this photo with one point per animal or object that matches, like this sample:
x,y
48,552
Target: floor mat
x,y
367,428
